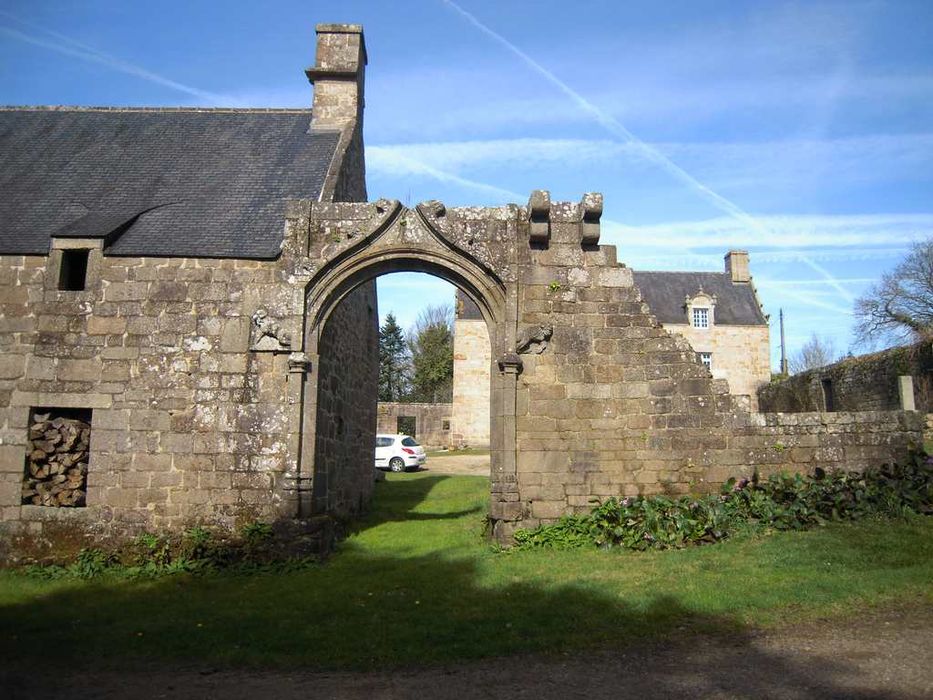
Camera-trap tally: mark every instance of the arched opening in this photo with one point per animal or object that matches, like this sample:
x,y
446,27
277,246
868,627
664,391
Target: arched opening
x,y
340,398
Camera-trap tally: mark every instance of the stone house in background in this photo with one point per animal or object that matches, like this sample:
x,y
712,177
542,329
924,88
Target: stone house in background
x,y
719,313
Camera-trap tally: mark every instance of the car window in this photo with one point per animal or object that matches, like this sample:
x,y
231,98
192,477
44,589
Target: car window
x,y
409,442
383,442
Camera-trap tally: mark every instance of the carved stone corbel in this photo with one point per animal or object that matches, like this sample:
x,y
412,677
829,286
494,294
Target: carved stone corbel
x,y
539,216
534,340
591,209
510,363
299,362
268,335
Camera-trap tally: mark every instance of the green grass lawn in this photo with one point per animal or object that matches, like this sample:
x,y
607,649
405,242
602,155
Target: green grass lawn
x,y
417,584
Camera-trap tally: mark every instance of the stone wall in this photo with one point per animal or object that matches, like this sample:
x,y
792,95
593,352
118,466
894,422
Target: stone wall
x,y
472,360
740,354
864,383
348,370
591,397
188,425
432,421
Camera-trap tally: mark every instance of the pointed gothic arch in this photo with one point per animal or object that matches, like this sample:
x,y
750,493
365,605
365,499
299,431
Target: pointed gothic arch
x,y
351,245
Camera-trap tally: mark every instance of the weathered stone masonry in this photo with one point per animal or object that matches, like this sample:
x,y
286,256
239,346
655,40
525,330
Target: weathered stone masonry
x,y
228,388
592,397
191,369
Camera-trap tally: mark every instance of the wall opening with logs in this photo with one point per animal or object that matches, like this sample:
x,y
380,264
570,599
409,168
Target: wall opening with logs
x,y
57,456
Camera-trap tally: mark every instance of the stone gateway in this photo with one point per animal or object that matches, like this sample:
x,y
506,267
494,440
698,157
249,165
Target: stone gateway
x,y
217,345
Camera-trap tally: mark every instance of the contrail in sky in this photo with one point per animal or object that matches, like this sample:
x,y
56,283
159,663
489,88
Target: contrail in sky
x,y
615,127
391,161
70,47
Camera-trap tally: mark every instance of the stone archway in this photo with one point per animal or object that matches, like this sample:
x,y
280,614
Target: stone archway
x,y
591,397
349,245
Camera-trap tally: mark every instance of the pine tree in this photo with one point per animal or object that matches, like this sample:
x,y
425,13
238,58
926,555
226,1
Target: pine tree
x,y
393,361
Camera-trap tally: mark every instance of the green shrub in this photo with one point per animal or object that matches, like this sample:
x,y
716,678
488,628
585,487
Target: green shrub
x,y
782,502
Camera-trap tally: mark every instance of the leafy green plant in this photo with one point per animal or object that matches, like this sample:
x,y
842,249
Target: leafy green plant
x,y
782,502
198,543
554,286
255,534
154,550
91,562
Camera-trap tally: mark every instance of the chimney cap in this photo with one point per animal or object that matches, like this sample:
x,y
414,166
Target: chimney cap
x,y
339,28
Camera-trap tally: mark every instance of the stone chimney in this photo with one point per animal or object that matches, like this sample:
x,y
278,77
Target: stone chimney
x,y
338,76
737,266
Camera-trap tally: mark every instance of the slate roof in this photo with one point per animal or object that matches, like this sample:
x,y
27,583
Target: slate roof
x,y
158,182
736,304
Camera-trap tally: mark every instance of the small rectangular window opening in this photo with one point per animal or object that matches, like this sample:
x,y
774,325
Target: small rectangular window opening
x,y
445,425
73,274
707,359
701,318
829,398
406,425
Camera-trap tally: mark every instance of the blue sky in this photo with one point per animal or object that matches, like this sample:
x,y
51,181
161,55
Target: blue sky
x,y
800,131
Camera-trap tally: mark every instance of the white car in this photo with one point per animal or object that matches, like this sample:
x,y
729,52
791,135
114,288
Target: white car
x,y
399,453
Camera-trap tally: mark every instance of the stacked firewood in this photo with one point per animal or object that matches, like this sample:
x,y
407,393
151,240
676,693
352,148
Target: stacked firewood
x,y
56,461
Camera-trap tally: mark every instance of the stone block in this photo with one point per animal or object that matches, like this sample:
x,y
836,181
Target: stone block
x,y
126,291
152,462
12,366
106,325
12,459
548,510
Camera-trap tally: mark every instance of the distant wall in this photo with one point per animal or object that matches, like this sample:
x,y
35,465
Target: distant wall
x,y
472,357
432,421
864,383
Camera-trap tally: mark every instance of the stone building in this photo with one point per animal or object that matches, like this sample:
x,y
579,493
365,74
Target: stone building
x,y
718,313
720,316
148,286
189,332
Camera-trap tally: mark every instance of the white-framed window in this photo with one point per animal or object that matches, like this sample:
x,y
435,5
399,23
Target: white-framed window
x,y
707,359
700,317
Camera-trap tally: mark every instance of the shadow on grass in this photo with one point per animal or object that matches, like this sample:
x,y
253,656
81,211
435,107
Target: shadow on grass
x,y
365,610
396,501
313,621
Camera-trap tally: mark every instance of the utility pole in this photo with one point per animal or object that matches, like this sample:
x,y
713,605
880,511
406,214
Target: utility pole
x,y
784,367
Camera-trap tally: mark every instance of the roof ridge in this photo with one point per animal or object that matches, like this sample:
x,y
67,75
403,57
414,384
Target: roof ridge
x,y
79,108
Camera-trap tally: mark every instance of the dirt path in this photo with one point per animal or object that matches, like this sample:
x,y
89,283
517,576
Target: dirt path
x,y
470,465
884,656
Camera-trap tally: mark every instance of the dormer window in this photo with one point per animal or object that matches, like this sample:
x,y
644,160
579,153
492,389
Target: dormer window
x,y
700,317
72,276
700,309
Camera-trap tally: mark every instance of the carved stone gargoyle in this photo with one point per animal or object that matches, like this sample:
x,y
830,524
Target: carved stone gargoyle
x,y
534,340
268,335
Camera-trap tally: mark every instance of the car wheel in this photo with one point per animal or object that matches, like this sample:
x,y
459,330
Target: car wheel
x,y
397,464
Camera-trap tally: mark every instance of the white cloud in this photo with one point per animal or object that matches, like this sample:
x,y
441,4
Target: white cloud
x,y
859,158
788,232
70,47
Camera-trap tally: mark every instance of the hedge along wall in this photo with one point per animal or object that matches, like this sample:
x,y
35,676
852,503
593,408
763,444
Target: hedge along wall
x,y
864,383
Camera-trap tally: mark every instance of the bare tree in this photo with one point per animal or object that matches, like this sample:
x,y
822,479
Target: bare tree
x,y
816,352
431,344
900,307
